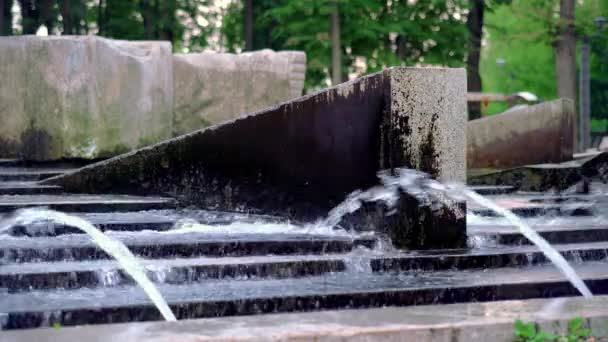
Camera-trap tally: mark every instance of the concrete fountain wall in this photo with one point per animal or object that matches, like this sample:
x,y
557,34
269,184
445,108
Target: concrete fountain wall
x,y
90,97
302,157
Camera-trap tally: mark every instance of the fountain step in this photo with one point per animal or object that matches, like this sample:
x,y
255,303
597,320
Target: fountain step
x,y
27,188
575,233
332,291
493,189
10,162
85,203
74,275
486,258
529,209
8,174
156,220
180,245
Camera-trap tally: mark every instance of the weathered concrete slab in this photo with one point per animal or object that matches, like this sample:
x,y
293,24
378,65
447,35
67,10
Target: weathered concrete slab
x,y
83,96
302,157
545,177
211,88
472,322
542,133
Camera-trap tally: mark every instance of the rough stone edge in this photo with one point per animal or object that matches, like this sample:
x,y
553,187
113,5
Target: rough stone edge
x,y
492,321
434,103
297,71
331,93
565,106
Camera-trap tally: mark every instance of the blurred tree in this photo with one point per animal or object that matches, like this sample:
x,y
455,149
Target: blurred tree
x,y
373,34
35,13
475,24
6,17
336,46
565,50
248,24
524,34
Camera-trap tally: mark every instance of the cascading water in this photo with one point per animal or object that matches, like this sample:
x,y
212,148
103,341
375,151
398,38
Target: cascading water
x,y
114,248
550,252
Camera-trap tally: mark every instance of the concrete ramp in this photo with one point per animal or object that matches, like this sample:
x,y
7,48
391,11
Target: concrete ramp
x,y
542,133
302,157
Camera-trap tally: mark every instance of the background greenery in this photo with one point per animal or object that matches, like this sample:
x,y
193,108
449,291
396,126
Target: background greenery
x,y
374,34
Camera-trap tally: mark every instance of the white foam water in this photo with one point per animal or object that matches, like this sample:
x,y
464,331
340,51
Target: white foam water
x,y
556,258
114,248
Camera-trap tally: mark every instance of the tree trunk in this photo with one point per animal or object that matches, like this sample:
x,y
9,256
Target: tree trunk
x,y
29,16
147,13
66,16
475,28
167,9
336,47
248,25
6,18
565,52
100,18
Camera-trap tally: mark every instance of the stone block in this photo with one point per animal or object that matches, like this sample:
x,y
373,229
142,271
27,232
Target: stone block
x,y
211,88
83,96
543,133
303,157
426,125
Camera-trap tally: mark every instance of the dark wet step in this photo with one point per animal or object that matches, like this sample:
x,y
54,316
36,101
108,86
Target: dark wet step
x,y
8,174
27,188
493,189
85,203
156,220
343,290
170,245
574,233
529,209
487,258
10,162
75,275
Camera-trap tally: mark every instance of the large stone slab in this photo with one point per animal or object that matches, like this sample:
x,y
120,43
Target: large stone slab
x,y
543,133
83,96
544,177
474,322
303,157
215,87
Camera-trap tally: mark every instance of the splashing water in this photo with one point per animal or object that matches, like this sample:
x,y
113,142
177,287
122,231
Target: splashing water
x,y
533,236
114,248
419,181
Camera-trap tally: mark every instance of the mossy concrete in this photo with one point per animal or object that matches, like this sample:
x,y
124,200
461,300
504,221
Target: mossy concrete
x,y
301,158
83,96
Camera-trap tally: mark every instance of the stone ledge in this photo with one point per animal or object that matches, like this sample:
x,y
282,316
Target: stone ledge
x,y
493,321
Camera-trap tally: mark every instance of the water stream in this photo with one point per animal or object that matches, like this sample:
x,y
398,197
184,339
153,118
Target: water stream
x,y
556,258
415,183
114,248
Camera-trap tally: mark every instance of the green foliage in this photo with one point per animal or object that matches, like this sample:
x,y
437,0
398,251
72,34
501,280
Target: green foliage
x,y
527,332
522,34
375,33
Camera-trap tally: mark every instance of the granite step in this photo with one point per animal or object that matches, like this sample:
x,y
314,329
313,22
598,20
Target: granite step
x,y
486,258
493,189
8,174
27,188
554,234
180,245
21,277
85,203
134,221
342,290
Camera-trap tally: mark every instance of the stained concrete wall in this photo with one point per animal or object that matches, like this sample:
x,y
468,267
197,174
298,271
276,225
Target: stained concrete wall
x,y
91,97
211,88
82,96
302,157
543,133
